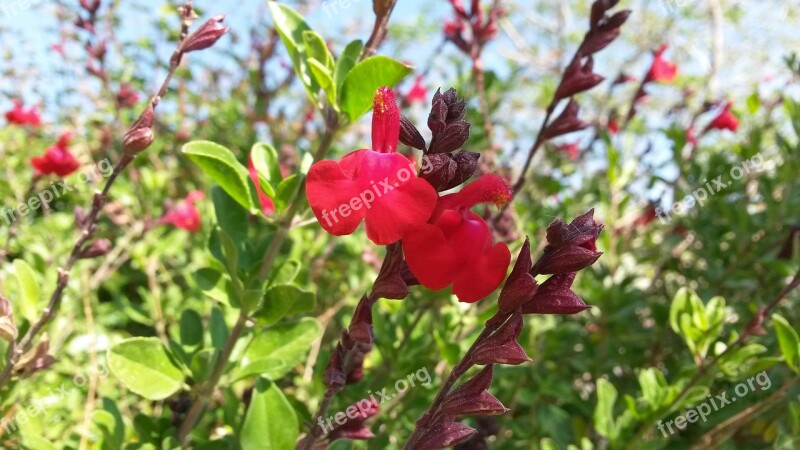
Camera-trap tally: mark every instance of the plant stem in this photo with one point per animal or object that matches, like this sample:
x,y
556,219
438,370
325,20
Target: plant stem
x,y
206,389
378,31
722,431
460,368
87,232
88,229
536,144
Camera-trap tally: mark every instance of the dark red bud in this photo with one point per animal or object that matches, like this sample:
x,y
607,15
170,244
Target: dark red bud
x,y
466,165
502,347
566,122
334,372
140,136
451,138
473,398
520,285
555,297
90,5
409,134
97,248
206,35
444,433
438,170
567,258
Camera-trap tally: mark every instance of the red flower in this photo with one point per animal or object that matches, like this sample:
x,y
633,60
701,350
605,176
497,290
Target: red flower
x,y
23,116
127,96
725,120
661,70
378,186
57,159
613,126
456,246
185,215
267,205
572,150
417,93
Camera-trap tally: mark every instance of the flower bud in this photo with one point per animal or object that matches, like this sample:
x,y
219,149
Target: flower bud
x,y
409,134
205,36
140,136
444,433
567,122
97,248
520,286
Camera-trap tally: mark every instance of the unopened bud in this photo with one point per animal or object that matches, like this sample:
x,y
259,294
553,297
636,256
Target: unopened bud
x,y
90,5
205,36
97,248
140,136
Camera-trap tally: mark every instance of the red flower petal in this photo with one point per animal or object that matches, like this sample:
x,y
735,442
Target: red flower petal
x,y
381,188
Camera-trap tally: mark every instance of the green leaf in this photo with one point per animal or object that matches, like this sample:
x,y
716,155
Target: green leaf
x,y
604,413
280,348
29,290
191,327
144,367
317,49
286,190
271,422
286,273
221,166
266,163
789,342
291,28
219,329
347,60
231,217
359,86
324,77
202,364
283,300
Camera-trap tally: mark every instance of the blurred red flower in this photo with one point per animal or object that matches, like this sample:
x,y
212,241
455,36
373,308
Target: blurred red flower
x,y
184,214
417,93
57,159
378,186
18,115
661,70
456,247
613,126
572,150
725,120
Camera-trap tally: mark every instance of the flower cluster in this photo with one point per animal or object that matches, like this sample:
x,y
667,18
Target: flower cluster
x,y
19,115
483,26
444,242
57,159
